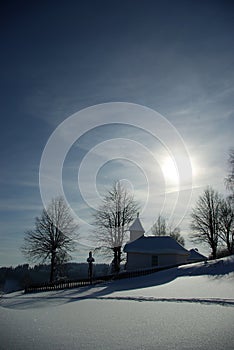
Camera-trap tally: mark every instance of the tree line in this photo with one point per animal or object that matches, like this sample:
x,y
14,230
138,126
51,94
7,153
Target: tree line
x,y
17,278
55,233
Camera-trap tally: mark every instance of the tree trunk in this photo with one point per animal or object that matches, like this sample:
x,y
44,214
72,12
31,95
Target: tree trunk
x,y
229,247
117,259
52,266
214,252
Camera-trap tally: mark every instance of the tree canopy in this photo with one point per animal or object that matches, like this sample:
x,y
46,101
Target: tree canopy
x,y
229,180
53,236
161,228
205,219
113,218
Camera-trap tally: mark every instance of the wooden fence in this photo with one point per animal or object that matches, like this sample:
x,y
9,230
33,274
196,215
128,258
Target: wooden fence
x,y
67,284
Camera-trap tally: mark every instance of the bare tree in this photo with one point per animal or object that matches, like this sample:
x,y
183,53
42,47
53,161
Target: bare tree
x,y
229,180
175,233
53,237
161,228
205,219
226,224
112,220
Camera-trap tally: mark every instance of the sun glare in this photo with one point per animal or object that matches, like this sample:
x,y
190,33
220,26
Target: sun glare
x,y
169,170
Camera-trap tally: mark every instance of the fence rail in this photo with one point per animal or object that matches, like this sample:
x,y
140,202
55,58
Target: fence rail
x,y
67,284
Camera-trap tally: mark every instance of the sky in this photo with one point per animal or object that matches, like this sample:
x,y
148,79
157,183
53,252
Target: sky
x,y
133,90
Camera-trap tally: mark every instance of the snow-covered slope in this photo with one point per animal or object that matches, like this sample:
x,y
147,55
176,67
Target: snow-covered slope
x,y
190,307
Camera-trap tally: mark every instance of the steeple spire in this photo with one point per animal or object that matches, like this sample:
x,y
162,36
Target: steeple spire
x,y
136,229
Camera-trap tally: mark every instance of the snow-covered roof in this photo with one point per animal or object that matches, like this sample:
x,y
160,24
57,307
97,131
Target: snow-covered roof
x,y
155,245
136,226
196,256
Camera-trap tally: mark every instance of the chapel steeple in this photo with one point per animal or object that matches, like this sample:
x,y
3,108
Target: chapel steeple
x,y
136,229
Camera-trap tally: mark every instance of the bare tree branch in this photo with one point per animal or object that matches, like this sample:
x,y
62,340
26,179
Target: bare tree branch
x,y
226,227
229,180
53,236
161,228
113,218
205,219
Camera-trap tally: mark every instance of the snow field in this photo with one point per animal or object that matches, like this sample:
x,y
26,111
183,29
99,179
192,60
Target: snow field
x,y
183,308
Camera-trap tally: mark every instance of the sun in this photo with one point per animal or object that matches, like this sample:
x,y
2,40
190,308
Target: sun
x,y
173,175
170,170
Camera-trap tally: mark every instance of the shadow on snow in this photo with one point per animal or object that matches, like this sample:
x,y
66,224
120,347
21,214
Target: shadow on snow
x,y
214,269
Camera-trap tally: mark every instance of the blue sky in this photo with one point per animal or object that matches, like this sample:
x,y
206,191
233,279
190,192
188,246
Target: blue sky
x,y
57,58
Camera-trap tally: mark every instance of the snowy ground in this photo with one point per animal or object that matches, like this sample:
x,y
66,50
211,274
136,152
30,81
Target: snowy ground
x,y
191,307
